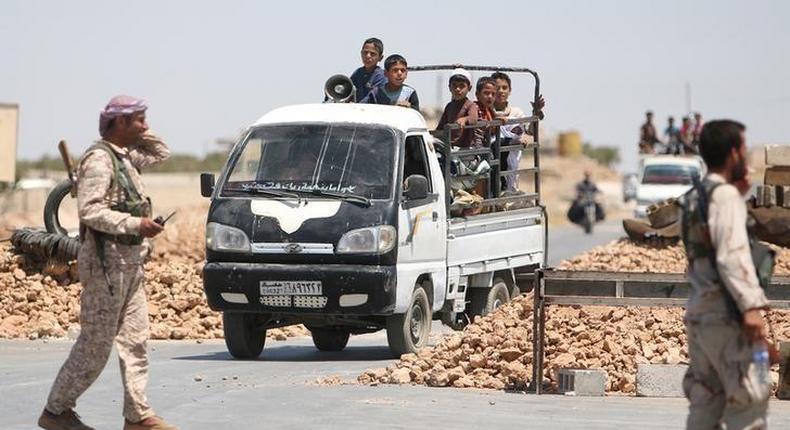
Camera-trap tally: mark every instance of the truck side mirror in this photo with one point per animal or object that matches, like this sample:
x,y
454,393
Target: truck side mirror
x,y
416,187
206,184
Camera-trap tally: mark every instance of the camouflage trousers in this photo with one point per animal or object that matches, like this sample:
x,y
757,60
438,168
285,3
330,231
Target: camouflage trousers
x,y
120,318
722,384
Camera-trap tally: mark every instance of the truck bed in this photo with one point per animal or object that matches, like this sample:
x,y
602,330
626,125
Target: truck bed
x,y
496,241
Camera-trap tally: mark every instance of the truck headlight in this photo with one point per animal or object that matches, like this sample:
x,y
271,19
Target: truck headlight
x,y
370,240
221,237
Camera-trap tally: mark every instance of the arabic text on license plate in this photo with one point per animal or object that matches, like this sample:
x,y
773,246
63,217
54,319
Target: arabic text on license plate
x,y
290,288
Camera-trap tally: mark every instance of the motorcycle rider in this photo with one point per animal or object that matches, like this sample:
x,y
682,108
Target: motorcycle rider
x,y
584,189
586,186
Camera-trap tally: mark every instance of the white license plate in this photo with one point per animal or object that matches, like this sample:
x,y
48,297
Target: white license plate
x,y
290,288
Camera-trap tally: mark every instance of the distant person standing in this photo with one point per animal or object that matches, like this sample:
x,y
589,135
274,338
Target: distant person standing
x,y
647,135
728,380
698,123
370,75
115,217
672,135
687,134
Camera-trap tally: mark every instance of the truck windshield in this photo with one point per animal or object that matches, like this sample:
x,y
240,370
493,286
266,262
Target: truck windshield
x,y
320,159
668,174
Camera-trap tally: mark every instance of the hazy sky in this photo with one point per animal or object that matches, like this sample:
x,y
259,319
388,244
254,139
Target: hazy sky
x,y
208,69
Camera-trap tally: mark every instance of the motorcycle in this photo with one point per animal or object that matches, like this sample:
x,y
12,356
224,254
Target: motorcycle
x,y
585,211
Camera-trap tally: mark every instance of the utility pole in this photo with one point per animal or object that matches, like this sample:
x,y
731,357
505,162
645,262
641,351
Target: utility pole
x,y
688,97
439,90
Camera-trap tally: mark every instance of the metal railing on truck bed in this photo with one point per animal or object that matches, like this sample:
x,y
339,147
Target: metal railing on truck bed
x,y
493,154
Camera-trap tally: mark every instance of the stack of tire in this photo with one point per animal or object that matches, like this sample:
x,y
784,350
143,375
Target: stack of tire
x,y
54,242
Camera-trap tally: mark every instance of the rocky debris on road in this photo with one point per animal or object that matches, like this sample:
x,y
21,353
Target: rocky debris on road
x,y
41,299
331,381
496,350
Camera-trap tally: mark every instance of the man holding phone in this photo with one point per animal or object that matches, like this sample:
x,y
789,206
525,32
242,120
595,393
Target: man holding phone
x,y
115,218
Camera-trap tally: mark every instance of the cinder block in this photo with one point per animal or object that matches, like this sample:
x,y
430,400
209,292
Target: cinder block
x,y
783,196
779,175
582,382
660,380
766,196
777,155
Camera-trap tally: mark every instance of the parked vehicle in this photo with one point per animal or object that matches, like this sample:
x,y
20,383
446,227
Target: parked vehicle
x,y
665,176
340,217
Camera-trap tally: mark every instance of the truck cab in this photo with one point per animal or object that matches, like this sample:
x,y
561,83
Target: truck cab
x,y
339,216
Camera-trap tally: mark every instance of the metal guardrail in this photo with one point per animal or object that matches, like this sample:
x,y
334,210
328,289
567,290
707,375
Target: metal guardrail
x,y
561,287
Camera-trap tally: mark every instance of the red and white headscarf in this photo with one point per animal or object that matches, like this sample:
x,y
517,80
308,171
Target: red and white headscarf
x,y
119,106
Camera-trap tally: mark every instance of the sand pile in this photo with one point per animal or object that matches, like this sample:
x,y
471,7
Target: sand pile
x,y
42,300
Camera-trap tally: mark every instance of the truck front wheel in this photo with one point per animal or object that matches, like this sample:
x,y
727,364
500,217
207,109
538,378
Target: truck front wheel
x,y
409,332
243,336
329,339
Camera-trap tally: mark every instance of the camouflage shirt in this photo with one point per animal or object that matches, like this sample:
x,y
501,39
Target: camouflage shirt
x,y
97,192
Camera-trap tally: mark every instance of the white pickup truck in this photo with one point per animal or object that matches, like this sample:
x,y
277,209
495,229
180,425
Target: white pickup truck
x,y
337,216
663,177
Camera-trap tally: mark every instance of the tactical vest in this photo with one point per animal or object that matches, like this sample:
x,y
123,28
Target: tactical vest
x,y
132,203
695,233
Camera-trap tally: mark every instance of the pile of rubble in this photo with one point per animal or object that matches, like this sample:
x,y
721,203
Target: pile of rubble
x,y
42,299
656,256
495,351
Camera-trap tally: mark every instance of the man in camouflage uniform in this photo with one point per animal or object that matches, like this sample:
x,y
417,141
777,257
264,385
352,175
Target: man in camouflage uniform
x,y
115,216
724,321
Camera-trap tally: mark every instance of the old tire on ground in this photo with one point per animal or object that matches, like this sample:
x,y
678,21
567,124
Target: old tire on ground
x,y
243,337
486,300
409,332
327,339
54,199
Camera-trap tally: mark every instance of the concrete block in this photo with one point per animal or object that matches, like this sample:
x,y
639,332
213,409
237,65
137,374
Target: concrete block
x,y
777,155
660,380
783,196
766,196
779,175
582,382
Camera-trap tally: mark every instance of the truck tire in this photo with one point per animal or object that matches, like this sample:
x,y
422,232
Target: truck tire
x,y
486,300
243,338
326,339
51,207
408,333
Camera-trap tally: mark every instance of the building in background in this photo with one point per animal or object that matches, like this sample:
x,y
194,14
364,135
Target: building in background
x,y
9,126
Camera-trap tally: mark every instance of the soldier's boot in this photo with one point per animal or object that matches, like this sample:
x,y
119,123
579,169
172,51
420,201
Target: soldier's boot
x,y
68,420
152,423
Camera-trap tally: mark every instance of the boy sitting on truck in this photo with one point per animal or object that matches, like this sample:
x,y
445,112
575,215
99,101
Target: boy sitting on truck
x,y
370,75
395,92
457,111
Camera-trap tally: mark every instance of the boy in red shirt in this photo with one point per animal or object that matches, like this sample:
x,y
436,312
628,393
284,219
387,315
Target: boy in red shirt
x,y
483,110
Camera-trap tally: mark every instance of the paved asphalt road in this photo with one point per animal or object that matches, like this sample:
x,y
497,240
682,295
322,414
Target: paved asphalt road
x,y
199,387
